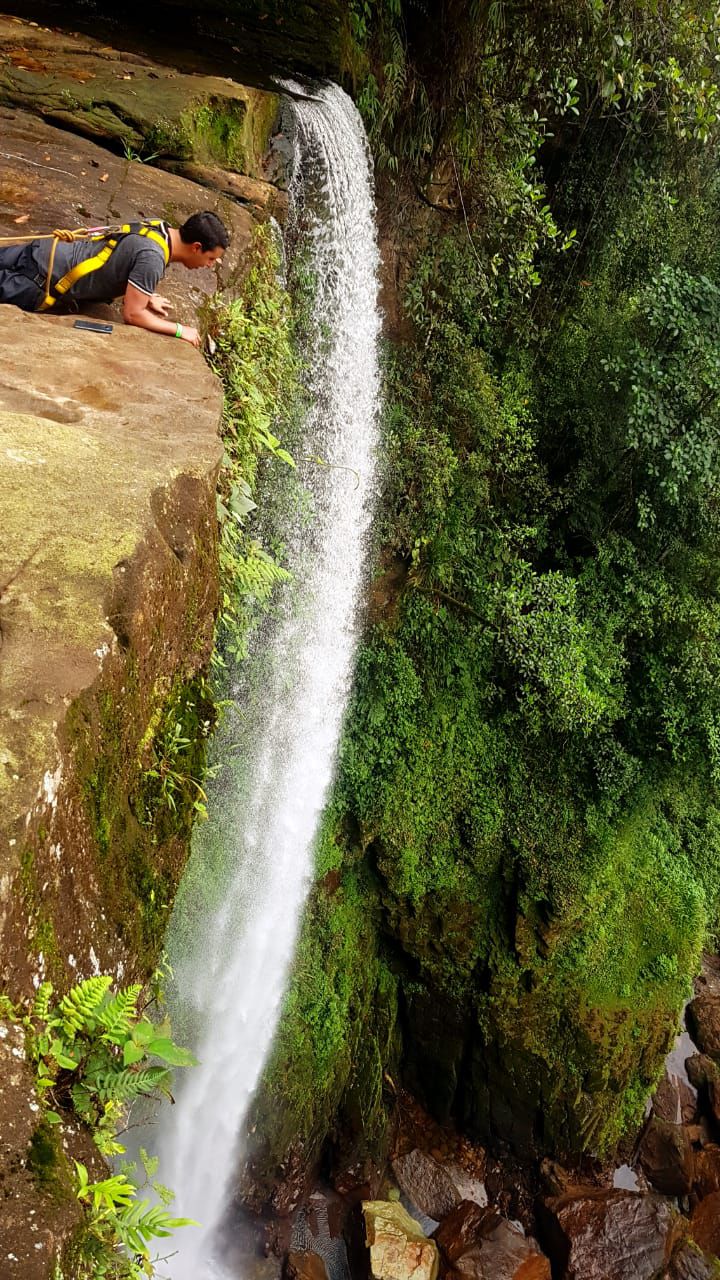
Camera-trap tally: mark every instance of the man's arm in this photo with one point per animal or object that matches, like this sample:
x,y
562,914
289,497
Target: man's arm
x,y
137,311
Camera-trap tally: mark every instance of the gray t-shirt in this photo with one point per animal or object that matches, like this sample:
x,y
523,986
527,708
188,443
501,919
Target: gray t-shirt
x,y
135,260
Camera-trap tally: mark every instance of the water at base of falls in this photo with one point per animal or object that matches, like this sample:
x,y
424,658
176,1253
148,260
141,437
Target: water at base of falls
x,y
231,963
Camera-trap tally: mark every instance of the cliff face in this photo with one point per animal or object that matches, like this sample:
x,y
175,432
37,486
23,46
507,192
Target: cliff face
x,y
109,590
109,462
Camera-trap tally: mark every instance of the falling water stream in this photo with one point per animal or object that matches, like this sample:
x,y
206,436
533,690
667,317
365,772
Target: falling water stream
x,y
232,964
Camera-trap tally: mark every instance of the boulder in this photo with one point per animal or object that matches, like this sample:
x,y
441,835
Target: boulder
x,y
467,1186
707,1170
399,1250
611,1235
705,1223
504,1254
689,1263
704,1074
674,1101
426,1183
304,1265
703,1022
667,1157
463,1228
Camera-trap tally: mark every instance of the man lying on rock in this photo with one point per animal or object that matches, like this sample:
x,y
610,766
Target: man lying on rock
x,y
55,274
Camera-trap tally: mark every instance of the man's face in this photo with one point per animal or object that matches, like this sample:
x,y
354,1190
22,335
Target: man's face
x,y
200,257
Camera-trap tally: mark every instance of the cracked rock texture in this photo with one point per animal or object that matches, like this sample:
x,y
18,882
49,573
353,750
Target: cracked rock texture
x,y
109,453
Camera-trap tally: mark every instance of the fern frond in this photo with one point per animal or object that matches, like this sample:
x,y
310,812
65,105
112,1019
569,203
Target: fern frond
x,y
78,1009
41,1003
117,1016
142,1222
123,1086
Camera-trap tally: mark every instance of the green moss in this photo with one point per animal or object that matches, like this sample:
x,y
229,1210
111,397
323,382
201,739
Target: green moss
x,y
338,1028
48,1164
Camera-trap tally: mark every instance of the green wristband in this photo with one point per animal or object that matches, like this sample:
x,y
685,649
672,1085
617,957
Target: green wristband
x,y
179,331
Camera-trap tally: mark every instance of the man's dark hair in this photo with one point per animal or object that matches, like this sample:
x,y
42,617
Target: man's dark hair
x,y
205,229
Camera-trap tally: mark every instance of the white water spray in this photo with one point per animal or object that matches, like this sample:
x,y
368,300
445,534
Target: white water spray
x,y
234,973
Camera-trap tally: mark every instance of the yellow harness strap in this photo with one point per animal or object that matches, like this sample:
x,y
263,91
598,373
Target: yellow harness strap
x,y
54,292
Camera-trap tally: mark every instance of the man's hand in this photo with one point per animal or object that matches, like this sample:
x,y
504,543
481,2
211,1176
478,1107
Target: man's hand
x,y
139,308
191,335
161,306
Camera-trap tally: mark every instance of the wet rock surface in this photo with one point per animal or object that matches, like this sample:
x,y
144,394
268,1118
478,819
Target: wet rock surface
x,y
479,1244
304,1265
667,1157
426,1184
703,1019
611,1235
705,1223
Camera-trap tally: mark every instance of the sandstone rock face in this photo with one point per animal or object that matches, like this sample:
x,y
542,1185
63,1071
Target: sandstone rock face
x,y
612,1235
304,36
398,1248
703,1020
427,1184
147,107
108,462
57,180
34,1158
667,1157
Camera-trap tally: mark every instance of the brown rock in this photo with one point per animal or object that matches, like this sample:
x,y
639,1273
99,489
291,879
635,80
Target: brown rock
x,y
667,1157
705,1223
707,1170
612,1235
263,197
426,1184
689,1263
399,1250
556,1180
504,1254
103,93
704,1074
305,1265
463,1228
467,1186
75,198
674,1100
703,1022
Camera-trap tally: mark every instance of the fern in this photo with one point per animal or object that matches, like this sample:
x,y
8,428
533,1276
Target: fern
x,y
41,1004
117,1016
142,1222
79,1008
124,1086
256,573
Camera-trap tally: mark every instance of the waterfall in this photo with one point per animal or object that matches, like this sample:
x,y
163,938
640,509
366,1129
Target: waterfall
x,y
232,962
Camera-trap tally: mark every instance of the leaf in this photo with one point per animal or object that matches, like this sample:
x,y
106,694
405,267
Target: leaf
x,y
171,1053
132,1053
52,1117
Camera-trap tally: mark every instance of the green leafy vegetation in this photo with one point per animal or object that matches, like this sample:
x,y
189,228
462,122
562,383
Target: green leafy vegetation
x,y
95,1052
529,773
254,355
